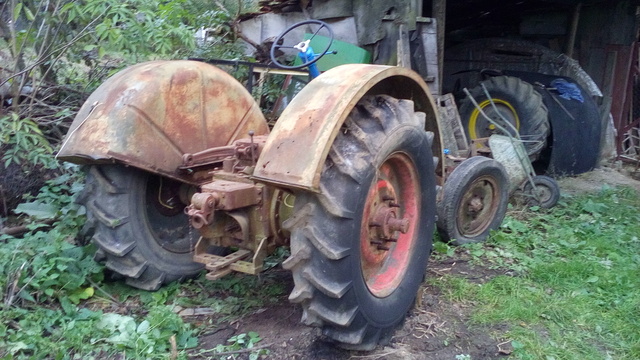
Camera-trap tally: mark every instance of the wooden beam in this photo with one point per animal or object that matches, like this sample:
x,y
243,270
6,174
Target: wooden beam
x,y
573,31
439,12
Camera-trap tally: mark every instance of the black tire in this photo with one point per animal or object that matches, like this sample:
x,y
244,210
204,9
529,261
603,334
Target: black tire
x,y
518,102
335,261
475,200
137,237
546,193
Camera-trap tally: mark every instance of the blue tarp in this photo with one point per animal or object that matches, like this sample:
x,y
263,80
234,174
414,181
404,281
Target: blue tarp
x,y
567,90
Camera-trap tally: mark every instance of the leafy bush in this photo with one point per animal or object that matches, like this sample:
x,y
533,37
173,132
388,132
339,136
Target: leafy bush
x,y
48,280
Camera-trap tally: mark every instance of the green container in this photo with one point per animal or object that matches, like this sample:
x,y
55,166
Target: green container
x,y
347,53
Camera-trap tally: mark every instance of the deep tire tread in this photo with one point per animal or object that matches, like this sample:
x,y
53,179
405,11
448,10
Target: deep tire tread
x,y
326,285
108,192
324,245
104,216
339,317
317,246
333,206
112,247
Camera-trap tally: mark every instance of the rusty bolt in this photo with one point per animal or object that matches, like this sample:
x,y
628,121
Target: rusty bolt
x,y
401,225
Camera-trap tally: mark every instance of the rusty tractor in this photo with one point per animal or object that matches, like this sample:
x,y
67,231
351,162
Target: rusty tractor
x,y
185,174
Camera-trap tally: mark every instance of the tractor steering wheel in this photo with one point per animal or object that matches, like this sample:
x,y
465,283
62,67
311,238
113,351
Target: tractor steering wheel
x,y
302,46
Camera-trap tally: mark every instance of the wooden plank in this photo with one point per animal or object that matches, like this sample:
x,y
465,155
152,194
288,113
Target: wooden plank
x,y
439,12
573,31
404,52
428,37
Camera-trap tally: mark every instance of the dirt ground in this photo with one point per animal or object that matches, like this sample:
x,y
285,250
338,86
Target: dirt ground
x,y
434,329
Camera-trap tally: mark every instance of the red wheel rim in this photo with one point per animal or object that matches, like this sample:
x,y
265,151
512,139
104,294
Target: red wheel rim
x,y
389,224
478,206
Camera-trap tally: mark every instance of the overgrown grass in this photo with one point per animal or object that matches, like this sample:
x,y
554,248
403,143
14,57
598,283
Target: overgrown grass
x,y
576,289
573,291
57,305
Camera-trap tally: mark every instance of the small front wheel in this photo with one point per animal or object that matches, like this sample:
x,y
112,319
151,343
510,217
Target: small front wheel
x,y
474,202
545,194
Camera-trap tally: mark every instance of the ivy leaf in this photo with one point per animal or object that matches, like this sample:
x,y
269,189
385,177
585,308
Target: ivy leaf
x,y
26,296
16,347
37,210
16,11
29,14
81,294
143,327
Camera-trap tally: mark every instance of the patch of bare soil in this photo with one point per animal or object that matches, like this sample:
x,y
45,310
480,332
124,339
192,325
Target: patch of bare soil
x,y
611,175
434,329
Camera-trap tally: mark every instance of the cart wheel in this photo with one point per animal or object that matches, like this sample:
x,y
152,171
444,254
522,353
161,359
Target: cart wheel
x,y
475,201
546,193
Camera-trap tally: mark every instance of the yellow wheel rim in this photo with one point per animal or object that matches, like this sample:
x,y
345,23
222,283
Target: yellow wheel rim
x,y
505,108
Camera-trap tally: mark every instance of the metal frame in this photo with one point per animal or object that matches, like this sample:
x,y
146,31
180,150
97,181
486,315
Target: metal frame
x,y
627,65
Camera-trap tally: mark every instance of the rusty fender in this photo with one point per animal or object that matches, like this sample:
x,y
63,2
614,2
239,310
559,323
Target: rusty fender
x,y
299,143
151,114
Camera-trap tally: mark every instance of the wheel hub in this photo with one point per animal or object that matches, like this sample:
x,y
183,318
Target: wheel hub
x,y
542,193
165,210
478,206
385,219
500,111
388,228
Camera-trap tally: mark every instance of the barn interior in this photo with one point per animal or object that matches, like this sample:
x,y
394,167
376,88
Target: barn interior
x,y
591,41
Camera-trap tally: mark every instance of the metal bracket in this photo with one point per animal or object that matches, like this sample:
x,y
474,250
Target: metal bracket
x,y
219,266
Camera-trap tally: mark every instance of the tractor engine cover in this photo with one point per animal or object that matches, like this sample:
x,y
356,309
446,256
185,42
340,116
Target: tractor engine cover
x,y
149,115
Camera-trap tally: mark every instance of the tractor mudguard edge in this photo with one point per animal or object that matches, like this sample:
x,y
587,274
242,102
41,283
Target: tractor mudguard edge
x,y
300,141
150,114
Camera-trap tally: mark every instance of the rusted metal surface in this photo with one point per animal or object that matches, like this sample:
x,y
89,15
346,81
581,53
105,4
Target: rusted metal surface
x,y
201,209
301,139
625,94
233,211
248,216
232,194
243,149
626,113
151,114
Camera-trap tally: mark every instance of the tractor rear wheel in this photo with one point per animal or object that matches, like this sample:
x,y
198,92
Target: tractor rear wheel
x,y
139,225
359,248
516,101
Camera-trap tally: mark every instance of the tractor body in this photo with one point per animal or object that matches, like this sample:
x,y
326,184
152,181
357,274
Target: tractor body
x,y
186,174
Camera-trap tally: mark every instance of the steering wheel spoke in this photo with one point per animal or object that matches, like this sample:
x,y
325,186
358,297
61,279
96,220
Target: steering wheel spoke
x,y
281,40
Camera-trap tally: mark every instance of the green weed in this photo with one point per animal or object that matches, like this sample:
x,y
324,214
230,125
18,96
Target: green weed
x,y
577,293
236,345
